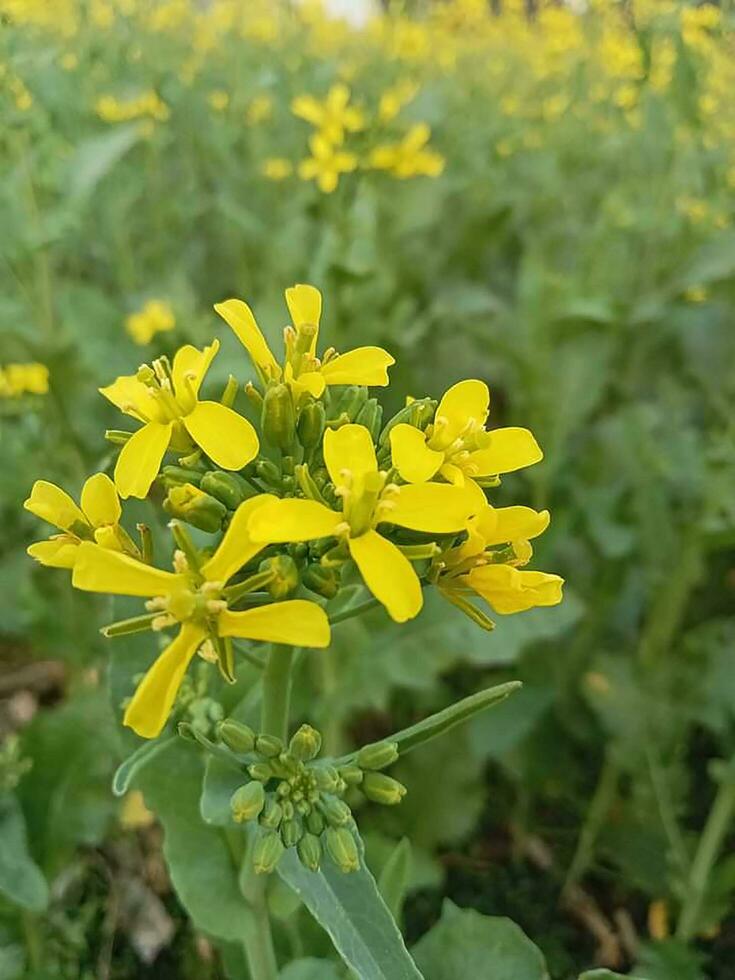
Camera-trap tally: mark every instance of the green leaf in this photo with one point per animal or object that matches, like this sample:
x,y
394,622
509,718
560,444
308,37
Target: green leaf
x,y
349,908
310,968
203,869
95,157
220,781
465,943
21,880
394,877
125,772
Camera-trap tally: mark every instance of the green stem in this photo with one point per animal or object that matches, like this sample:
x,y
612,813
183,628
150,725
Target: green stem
x,y
277,691
258,941
717,825
602,800
353,611
33,941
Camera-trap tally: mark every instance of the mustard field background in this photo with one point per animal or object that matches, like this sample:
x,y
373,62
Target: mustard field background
x,y
538,195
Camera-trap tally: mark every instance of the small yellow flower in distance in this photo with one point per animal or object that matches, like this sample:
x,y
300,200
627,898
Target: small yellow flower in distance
x,y
195,599
486,564
218,100
165,398
259,109
368,501
457,446
134,814
23,379
696,294
69,61
396,98
409,158
332,116
155,317
113,110
97,519
277,168
303,371
326,163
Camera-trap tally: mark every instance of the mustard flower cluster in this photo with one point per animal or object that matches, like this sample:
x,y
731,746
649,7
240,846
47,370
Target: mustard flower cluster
x,y
23,379
312,484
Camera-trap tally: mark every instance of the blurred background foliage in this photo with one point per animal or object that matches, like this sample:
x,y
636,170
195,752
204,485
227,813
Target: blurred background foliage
x,y
537,195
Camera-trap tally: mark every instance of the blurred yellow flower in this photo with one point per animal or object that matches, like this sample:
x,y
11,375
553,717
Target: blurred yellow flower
x,y
326,163
395,98
113,110
69,61
218,100
155,317
277,168
410,157
696,294
259,109
22,379
333,116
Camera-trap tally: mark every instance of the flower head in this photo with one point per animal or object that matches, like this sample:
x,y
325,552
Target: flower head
x,y
326,163
165,398
155,317
410,157
332,116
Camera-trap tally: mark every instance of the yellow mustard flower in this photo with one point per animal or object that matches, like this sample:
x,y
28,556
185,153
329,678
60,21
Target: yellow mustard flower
x,y
457,446
486,563
332,116
97,519
155,317
22,379
326,163
395,98
113,110
409,157
277,168
218,100
196,599
259,109
303,371
165,398
367,501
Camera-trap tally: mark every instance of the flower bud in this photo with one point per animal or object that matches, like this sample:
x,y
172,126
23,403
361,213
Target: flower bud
x,y
326,778
267,471
291,832
267,852
188,503
305,743
419,413
268,745
237,736
229,488
310,426
310,851
247,802
377,755
315,822
350,402
336,812
176,476
371,416
272,814
260,771
277,419
352,775
285,579
342,848
324,581
382,789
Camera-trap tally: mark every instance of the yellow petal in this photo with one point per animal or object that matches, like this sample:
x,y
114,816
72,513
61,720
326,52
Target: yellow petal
x,y
453,474
227,438
154,697
99,500
239,317
98,569
507,590
306,107
297,622
362,366
512,524
305,305
236,547
292,520
57,552
388,574
466,402
140,458
435,507
349,448
311,381
411,456
132,397
189,368
509,449
54,505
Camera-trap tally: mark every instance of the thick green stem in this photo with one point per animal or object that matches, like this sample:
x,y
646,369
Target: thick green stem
x,y
718,823
258,941
277,691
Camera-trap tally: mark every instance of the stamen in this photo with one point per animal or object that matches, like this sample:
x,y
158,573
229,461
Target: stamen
x,y
181,565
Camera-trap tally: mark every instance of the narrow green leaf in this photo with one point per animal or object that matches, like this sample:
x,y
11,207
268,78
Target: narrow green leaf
x,y
125,772
21,880
95,157
394,877
349,908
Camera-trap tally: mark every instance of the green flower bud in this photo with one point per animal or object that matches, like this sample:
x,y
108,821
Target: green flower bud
x,y
291,832
272,814
323,581
285,579
277,419
326,778
419,413
371,416
268,745
247,802
377,755
260,771
350,402
310,852
176,476
253,396
236,736
352,775
188,503
288,810
267,471
342,848
229,488
305,743
310,426
315,822
336,812
267,852
382,789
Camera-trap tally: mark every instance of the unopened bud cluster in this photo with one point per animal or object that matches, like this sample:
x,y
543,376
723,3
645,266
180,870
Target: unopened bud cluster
x,y
299,802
